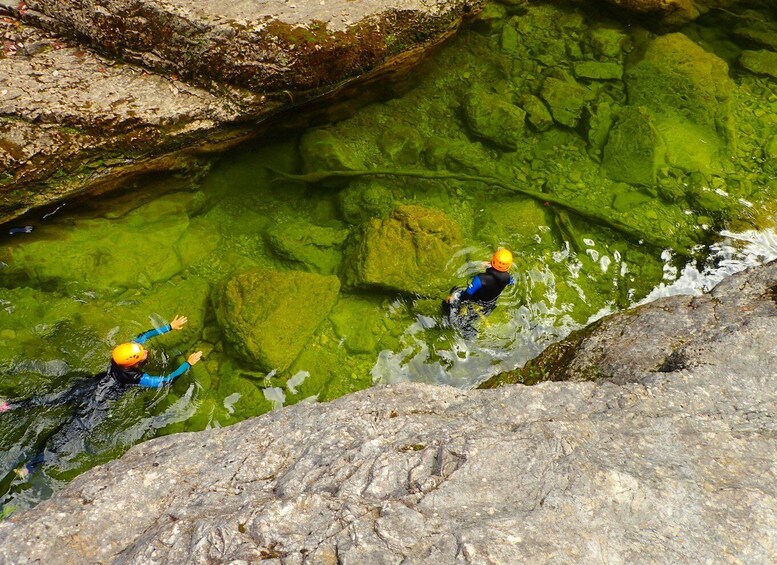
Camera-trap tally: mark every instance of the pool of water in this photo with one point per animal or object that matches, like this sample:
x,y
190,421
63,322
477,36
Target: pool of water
x,y
535,129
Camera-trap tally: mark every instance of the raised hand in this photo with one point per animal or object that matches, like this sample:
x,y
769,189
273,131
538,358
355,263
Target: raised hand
x,y
194,357
178,322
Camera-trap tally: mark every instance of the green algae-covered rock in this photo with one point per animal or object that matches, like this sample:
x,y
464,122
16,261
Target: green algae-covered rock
x,y
364,199
608,41
268,316
322,151
598,71
133,251
514,223
760,62
758,32
406,252
634,150
678,80
401,145
491,118
317,248
358,322
600,120
565,99
538,114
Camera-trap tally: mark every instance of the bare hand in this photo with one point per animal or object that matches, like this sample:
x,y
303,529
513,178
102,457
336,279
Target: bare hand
x,y
178,322
194,357
4,406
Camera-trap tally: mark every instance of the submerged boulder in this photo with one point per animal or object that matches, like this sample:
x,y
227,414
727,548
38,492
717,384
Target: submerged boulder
x,y
492,118
760,62
322,151
634,149
406,252
677,80
269,316
566,100
317,248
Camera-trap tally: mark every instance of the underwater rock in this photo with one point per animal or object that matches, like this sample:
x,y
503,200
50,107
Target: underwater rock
x,y
684,442
678,81
672,10
492,118
358,322
760,33
401,145
538,114
634,150
514,223
608,41
318,248
565,99
322,151
600,120
596,70
406,252
760,62
268,316
362,200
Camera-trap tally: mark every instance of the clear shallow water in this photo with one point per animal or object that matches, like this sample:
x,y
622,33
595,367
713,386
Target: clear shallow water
x,y
96,274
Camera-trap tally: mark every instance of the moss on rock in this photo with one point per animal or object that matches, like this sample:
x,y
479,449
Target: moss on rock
x,y
760,62
493,119
565,99
317,248
634,150
268,316
406,252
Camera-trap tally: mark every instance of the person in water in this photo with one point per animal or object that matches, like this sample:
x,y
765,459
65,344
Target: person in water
x,y
465,305
91,398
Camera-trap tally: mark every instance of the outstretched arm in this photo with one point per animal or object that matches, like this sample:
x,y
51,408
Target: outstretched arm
x,y
150,381
177,323
474,286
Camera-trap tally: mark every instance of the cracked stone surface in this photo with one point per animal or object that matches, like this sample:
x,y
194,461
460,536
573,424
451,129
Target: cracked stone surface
x,y
676,468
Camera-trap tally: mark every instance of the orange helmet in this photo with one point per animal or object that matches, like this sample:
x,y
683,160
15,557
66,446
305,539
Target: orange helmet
x,y
502,260
128,354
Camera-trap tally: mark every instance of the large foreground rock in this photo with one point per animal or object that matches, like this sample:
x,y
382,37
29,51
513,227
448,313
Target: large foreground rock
x,y
179,77
677,467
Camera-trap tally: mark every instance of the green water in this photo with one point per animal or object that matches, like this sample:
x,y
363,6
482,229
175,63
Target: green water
x,y
638,181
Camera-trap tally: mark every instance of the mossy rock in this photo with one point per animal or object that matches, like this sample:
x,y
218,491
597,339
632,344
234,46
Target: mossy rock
x,y
317,248
322,151
600,121
401,145
358,322
362,200
538,114
566,100
760,33
608,41
596,70
406,252
515,223
678,80
760,62
634,149
493,119
98,254
268,316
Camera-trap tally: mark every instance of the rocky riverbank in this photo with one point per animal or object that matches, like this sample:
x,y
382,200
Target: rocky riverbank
x,y
667,456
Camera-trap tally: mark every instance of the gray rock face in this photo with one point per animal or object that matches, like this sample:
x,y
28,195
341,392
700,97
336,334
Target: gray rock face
x,y
677,467
177,77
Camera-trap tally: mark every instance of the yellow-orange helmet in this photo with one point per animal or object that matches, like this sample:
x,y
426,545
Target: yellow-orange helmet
x,y
128,354
502,260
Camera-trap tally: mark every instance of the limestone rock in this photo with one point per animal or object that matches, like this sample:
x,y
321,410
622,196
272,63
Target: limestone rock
x,y
268,316
537,113
596,70
673,463
322,151
760,62
406,252
492,118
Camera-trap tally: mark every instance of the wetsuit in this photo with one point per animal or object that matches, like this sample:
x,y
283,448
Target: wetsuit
x,y
482,292
136,376
90,399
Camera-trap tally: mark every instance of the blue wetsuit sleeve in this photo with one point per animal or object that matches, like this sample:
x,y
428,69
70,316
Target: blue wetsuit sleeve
x,y
144,337
474,286
149,381
511,281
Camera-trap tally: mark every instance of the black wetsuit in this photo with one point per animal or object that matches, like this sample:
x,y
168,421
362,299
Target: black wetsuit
x,y
481,294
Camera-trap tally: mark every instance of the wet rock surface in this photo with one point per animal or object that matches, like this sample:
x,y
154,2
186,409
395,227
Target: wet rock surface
x,y
668,458
175,78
